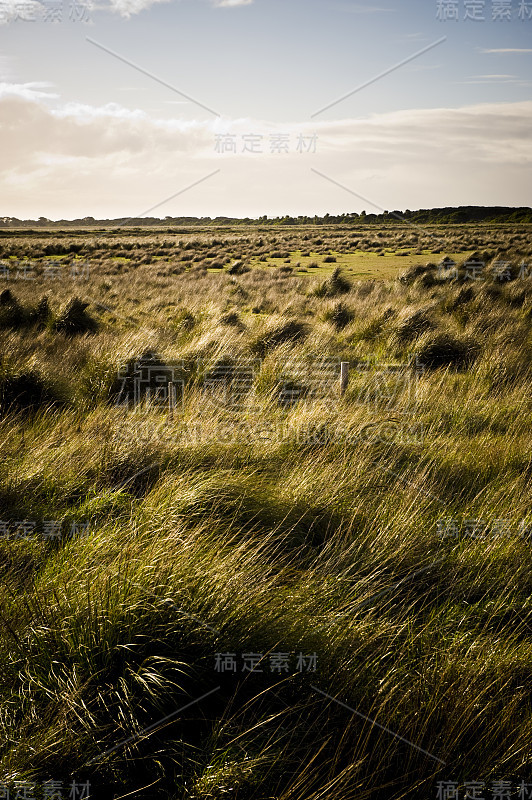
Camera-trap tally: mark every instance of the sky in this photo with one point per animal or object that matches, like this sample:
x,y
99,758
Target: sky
x,y
240,108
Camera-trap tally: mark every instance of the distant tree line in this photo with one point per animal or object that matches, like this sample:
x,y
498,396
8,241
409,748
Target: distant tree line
x,y
435,216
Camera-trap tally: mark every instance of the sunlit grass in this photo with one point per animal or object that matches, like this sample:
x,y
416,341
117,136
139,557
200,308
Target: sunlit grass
x,y
271,525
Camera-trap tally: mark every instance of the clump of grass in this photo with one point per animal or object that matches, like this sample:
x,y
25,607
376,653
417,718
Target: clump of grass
x,y
334,285
375,327
233,319
24,390
41,315
508,371
291,331
16,316
238,268
413,326
73,319
185,320
12,314
413,273
444,350
464,296
428,280
339,315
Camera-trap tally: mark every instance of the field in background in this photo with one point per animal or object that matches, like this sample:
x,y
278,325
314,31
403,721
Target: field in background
x,y
223,578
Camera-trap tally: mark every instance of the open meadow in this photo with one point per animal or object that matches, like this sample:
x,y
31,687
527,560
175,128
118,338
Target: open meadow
x,y
223,576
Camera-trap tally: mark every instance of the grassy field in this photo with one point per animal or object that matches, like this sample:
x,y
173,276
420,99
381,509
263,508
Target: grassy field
x,y
222,577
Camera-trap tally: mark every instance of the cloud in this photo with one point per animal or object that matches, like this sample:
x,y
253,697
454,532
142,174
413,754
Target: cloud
x,y
495,79
32,91
10,10
126,8
506,50
73,160
231,3
6,68
361,9
30,10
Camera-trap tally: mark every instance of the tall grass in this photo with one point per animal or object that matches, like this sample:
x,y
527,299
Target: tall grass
x,y
239,523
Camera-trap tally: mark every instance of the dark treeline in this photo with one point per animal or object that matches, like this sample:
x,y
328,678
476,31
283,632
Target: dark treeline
x,y
436,216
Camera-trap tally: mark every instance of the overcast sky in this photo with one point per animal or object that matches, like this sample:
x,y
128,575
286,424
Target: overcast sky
x,y
251,107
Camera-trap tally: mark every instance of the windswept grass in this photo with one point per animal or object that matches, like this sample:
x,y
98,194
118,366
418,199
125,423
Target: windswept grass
x,y
251,509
